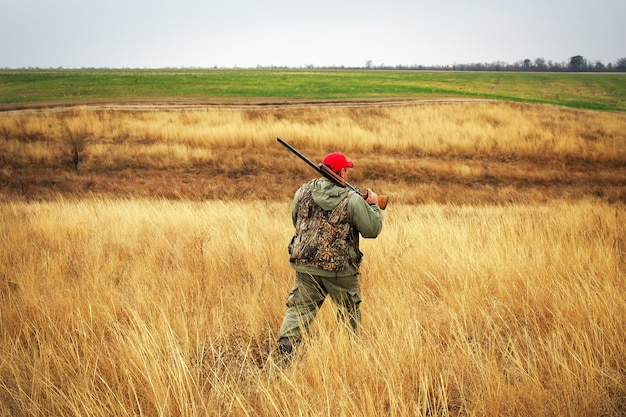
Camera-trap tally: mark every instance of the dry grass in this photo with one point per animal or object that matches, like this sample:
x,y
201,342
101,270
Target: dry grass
x,y
163,139
152,282
146,307
446,152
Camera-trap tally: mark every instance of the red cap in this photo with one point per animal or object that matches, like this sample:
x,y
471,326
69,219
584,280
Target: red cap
x,y
337,161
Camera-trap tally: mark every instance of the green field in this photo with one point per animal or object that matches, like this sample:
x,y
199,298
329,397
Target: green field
x,y
599,91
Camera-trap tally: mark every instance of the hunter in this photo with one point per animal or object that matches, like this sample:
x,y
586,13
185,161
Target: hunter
x,y
324,251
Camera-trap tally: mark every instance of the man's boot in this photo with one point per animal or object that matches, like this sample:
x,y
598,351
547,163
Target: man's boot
x,y
284,346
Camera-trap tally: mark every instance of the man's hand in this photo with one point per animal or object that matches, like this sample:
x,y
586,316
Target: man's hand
x,y
372,197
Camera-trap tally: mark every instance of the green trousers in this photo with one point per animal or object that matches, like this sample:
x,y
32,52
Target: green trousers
x,y
308,295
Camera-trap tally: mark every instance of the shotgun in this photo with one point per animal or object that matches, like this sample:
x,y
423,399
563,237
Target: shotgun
x,y
328,173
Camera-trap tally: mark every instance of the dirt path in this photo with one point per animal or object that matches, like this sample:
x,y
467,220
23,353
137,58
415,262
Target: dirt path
x,y
235,104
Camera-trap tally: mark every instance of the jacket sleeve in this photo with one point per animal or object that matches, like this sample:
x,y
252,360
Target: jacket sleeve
x,y
367,219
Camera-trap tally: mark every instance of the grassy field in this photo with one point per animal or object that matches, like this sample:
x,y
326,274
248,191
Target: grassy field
x,y
606,91
158,308
143,265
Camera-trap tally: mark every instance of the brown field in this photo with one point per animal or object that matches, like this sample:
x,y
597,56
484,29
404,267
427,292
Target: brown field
x,y
149,277
449,152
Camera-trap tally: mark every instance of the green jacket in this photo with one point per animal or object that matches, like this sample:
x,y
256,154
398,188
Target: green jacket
x,y
366,220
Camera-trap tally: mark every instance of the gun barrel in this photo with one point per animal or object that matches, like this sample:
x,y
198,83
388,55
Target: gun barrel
x,y
298,154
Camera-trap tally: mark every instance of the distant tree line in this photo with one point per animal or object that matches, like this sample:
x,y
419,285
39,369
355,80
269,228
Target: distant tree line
x,y
576,63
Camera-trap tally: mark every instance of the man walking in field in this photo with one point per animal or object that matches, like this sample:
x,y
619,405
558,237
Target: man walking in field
x,y
324,251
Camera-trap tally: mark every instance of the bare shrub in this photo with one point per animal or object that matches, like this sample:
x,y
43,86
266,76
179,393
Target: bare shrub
x,y
76,142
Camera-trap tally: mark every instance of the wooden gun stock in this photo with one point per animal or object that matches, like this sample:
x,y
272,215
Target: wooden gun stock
x,y
382,201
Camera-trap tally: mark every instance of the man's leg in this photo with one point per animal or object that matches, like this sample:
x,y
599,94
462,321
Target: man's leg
x,y
303,303
346,293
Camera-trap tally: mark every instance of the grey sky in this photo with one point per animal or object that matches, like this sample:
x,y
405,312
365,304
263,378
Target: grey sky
x,y
247,33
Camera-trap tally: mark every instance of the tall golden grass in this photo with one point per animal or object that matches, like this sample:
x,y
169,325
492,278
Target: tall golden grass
x,y
118,307
116,303
165,139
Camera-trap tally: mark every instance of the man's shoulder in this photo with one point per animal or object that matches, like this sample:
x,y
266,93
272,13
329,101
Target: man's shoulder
x,y
355,198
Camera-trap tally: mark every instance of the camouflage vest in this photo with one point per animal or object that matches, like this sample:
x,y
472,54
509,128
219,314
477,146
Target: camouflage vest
x,y
323,239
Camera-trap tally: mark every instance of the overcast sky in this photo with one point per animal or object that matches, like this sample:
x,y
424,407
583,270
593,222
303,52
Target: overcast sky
x,y
248,33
